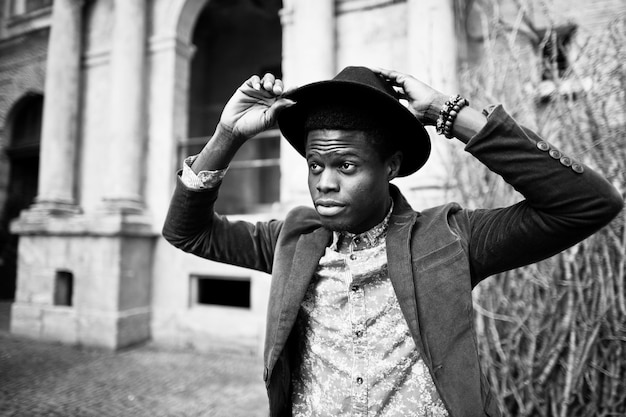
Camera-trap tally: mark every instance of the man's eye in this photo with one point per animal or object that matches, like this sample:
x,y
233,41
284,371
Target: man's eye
x,y
315,168
348,167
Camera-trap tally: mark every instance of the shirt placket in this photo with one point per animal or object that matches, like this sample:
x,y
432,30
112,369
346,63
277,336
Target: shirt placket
x,y
359,345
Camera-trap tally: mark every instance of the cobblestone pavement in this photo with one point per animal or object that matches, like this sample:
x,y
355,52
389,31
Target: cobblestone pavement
x,y
49,379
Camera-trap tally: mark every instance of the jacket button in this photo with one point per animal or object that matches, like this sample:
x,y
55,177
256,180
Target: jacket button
x,y
566,161
555,154
359,380
543,146
577,168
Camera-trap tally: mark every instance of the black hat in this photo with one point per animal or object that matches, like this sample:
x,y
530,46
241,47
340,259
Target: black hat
x,y
358,85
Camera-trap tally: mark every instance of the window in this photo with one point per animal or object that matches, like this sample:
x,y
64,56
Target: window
x,y
554,49
252,184
223,30
18,191
220,291
63,288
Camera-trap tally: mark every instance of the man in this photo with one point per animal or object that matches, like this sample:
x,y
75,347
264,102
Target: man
x,y
370,309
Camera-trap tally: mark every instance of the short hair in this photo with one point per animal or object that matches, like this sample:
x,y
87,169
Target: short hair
x,y
354,116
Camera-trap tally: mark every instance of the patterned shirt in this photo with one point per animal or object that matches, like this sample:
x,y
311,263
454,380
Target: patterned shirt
x,y
358,356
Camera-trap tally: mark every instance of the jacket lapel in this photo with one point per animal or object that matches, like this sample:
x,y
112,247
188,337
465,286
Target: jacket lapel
x,y
309,249
403,220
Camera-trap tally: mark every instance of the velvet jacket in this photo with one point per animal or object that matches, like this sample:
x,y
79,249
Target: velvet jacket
x,y
435,257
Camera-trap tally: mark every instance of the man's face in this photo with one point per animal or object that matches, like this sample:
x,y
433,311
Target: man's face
x,y
348,180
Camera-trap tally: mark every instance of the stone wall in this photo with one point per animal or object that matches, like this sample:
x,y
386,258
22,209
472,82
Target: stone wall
x,y
108,304
22,68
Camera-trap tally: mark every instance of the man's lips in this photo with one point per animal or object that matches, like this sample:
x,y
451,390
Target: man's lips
x,y
326,207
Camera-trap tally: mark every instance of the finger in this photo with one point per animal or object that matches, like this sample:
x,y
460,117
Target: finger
x,y
282,104
254,82
400,93
391,76
396,77
271,114
380,71
268,81
406,103
278,87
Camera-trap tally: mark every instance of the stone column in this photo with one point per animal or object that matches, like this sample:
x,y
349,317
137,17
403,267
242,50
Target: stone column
x,y
127,113
309,54
432,57
309,40
432,44
57,169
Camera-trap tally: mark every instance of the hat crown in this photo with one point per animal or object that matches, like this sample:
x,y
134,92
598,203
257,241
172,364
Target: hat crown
x,y
366,77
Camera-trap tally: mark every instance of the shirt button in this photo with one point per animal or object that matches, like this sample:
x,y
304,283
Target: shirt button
x,y
354,288
359,380
543,146
353,256
359,333
357,240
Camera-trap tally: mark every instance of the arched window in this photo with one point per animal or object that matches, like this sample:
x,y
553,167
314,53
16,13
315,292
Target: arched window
x,y
235,39
23,155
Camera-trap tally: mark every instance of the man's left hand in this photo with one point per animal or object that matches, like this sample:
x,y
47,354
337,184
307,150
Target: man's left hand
x,y
424,101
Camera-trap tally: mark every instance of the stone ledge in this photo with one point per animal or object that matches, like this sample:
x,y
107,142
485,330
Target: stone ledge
x,y
36,222
348,6
22,24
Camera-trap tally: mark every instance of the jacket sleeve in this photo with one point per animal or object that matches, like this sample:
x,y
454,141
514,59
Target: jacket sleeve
x,y
565,201
192,226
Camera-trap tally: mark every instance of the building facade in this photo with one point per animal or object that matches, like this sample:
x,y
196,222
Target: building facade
x,y
100,100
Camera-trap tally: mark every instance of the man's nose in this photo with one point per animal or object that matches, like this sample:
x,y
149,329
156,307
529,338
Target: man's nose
x,y
327,181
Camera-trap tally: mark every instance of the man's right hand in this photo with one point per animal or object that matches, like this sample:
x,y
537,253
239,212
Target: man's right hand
x,y
254,107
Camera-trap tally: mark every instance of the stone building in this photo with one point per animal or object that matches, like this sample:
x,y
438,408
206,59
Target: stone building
x,y
101,99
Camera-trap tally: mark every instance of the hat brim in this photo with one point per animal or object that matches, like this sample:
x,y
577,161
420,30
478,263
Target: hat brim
x,y
408,133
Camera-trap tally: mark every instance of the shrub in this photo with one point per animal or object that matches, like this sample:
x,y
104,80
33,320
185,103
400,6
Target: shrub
x,y
552,335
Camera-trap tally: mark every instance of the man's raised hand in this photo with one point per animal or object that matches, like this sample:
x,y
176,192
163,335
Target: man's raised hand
x,y
253,108
424,101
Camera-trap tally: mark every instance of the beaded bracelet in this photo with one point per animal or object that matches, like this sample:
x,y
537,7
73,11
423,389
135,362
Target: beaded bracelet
x,y
448,113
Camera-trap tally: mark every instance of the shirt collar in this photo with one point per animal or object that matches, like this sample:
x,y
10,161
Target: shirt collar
x,y
368,239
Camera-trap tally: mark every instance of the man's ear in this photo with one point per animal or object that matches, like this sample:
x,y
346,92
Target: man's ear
x,y
393,165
